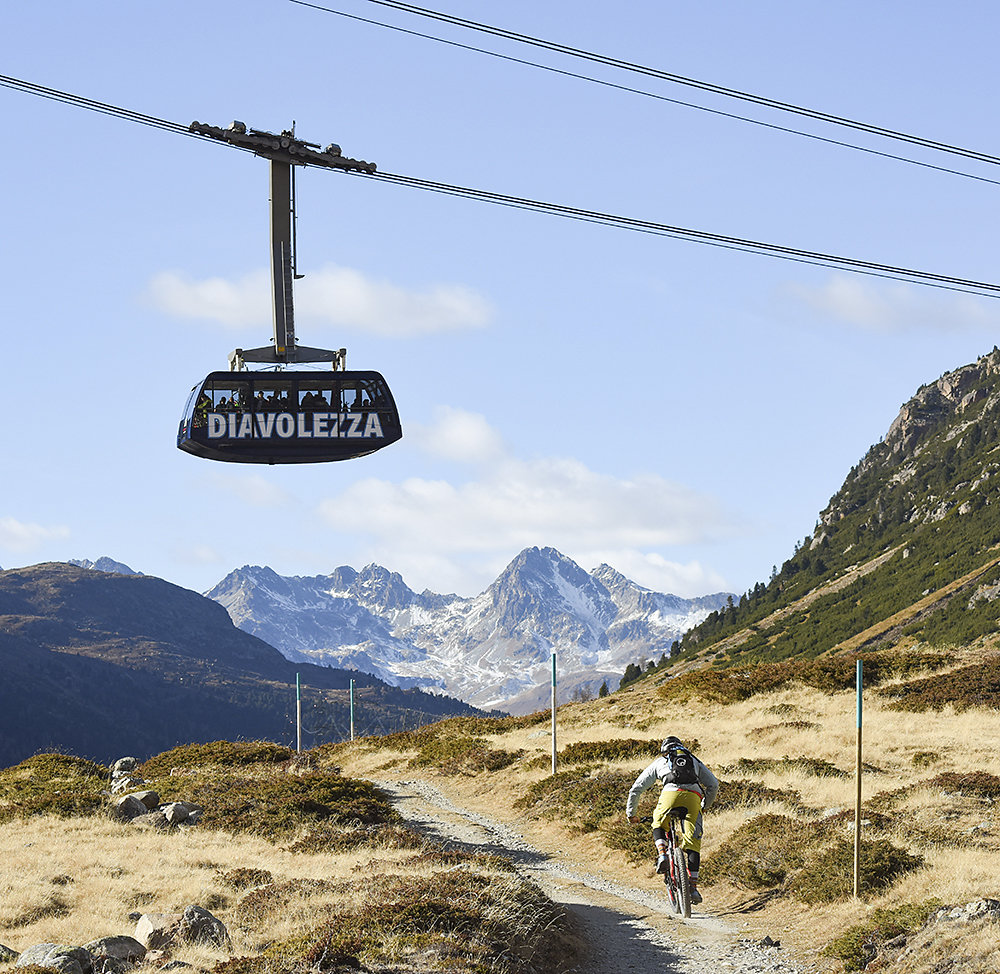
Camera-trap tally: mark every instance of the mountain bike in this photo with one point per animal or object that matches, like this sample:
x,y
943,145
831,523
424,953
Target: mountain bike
x,y
677,878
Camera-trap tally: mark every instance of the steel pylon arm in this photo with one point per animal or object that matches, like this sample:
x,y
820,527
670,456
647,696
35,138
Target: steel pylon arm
x,y
284,152
283,148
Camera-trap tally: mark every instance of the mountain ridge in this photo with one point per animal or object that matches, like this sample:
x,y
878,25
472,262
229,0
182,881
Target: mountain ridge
x,y
492,649
904,552
101,662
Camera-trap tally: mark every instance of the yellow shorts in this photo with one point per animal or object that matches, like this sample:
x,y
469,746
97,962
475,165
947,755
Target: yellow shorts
x,y
680,798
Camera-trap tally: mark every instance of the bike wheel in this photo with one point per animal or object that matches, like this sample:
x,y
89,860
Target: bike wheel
x,y
683,881
673,889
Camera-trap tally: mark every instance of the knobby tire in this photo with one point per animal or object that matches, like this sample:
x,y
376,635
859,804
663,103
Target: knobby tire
x,y
683,882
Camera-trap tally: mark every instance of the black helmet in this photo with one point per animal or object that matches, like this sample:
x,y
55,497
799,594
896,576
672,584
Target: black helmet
x,y
669,743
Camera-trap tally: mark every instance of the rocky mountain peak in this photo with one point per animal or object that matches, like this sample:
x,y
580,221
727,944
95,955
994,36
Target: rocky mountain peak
x,y
543,578
941,402
492,649
378,587
933,457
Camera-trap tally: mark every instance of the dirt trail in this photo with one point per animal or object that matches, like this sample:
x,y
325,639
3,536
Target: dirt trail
x,y
628,930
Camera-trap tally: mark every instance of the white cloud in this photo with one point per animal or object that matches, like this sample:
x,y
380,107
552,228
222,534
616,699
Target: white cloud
x,y
253,490
334,296
346,298
457,434
458,535
246,301
20,537
887,307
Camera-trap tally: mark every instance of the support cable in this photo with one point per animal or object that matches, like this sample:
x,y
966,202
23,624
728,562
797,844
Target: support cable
x,y
891,271
677,79
854,265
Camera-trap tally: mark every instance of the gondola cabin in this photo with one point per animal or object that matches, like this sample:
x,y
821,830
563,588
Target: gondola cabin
x,y
288,417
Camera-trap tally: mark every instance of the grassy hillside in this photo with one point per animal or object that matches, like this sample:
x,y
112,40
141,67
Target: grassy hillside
x,y
908,550
778,852
304,859
308,869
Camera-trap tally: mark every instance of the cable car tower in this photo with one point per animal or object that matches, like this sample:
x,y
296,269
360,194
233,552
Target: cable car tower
x,y
279,415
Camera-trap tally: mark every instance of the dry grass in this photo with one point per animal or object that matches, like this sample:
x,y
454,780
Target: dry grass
x,y
100,871
903,752
926,790
292,898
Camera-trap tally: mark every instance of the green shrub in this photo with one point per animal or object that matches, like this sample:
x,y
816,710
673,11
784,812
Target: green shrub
x,y
785,725
218,753
462,755
742,680
761,853
448,920
245,877
581,798
975,784
977,685
829,874
860,944
620,749
743,793
450,727
52,784
811,766
329,838
635,840
278,805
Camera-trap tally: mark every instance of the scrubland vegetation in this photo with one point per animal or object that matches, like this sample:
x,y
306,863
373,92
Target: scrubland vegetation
x,y
778,852
310,870
310,867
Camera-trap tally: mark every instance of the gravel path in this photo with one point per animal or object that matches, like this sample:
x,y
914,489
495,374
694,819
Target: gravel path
x,y
629,930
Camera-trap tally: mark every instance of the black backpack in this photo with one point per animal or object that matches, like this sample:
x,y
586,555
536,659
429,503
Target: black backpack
x,y
682,767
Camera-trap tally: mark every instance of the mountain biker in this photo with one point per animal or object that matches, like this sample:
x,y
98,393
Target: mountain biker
x,y
686,783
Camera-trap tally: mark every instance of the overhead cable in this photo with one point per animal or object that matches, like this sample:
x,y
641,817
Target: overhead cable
x,y
706,86
894,272
853,265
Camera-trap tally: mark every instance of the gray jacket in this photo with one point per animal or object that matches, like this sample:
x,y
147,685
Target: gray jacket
x,y
656,773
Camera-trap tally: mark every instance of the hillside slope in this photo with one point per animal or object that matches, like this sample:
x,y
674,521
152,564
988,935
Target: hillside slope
x,y
99,664
907,551
778,848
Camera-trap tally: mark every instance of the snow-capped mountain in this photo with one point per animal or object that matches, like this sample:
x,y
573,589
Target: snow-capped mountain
x,y
493,650
104,564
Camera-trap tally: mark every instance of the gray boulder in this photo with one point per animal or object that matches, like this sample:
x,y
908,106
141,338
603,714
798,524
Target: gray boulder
x,y
149,798
59,957
159,931
198,926
128,807
115,955
123,766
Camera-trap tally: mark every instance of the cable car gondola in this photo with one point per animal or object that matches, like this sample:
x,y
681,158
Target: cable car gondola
x,y
288,417
283,415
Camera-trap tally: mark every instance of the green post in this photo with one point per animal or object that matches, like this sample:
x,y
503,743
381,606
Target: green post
x,y
553,713
352,710
857,799
298,715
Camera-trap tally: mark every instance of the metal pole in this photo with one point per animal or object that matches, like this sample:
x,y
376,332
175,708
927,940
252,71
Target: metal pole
x,y
857,801
553,713
281,261
298,715
352,710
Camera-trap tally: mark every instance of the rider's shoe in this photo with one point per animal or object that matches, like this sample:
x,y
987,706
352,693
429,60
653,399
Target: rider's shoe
x,y
696,897
662,865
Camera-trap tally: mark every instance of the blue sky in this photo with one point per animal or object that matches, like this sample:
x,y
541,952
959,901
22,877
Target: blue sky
x,y
681,412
